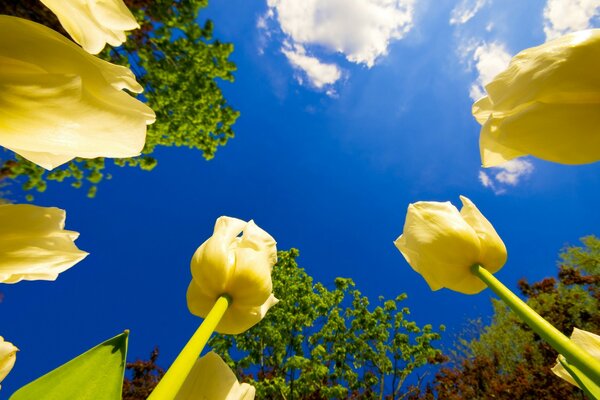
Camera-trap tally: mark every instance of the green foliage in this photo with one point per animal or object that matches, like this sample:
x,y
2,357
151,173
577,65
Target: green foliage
x,y
178,63
96,374
318,343
508,360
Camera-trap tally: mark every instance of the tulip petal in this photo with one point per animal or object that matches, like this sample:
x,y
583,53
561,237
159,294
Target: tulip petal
x,y
93,23
211,378
239,318
545,104
59,102
589,342
7,357
33,243
565,133
493,252
441,246
214,263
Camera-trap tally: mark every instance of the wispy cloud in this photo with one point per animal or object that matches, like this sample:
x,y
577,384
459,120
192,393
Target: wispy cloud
x,y
563,16
360,30
318,73
508,174
488,59
465,10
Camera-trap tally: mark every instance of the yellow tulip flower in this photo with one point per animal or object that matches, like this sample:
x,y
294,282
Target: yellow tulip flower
x,y
545,104
7,357
442,244
33,243
211,378
93,23
59,102
589,342
239,267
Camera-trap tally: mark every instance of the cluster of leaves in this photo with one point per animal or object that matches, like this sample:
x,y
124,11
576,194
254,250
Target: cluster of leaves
x,y
508,360
177,62
145,375
327,344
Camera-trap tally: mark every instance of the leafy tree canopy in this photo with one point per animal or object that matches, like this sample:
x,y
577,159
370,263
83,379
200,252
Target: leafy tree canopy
x,y
318,343
178,63
328,344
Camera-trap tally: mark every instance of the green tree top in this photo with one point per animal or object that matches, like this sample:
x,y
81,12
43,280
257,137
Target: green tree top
x,y
328,344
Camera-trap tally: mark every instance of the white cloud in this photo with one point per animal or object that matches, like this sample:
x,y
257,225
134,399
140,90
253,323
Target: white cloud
x,y
360,30
512,171
563,16
466,10
490,59
318,73
507,174
485,180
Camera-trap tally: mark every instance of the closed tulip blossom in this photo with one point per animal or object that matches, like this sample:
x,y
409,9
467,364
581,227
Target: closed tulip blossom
x,y
59,102
589,342
7,357
545,104
211,378
34,244
238,267
93,23
442,244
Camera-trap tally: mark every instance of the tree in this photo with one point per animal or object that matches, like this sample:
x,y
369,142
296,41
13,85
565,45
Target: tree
x,y
318,343
508,360
179,65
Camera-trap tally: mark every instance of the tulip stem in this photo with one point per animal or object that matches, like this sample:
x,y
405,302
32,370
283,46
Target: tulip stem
x,y
171,382
574,354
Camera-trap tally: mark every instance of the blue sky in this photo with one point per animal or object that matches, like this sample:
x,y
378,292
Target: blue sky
x,y
350,110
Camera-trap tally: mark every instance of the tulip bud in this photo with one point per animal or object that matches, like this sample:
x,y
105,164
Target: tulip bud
x,y
239,267
33,243
7,357
212,379
442,244
93,23
545,104
59,102
589,342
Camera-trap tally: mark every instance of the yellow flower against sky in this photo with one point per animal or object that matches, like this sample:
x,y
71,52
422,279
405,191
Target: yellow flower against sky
x,y
34,244
59,102
211,378
237,266
545,104
589,342
442,244
8,357
93,23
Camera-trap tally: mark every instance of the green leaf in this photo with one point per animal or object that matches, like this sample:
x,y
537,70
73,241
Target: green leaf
x,y
591,389
96,374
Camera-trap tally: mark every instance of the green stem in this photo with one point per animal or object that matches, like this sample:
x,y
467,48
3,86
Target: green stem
x,y
574,354
172,381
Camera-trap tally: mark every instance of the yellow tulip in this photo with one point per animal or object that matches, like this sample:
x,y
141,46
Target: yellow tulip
x,y
442,244
7,357
587,341
93,23
545,104
239,267
212,379
33,243
59,102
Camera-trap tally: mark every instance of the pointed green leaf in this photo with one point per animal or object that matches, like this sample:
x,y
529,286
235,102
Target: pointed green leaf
x,y
591,389
96,374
